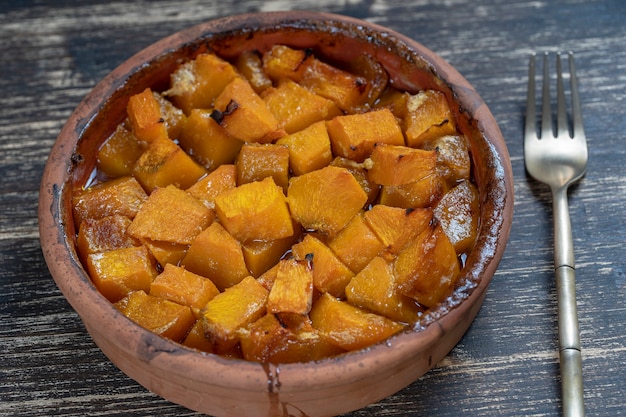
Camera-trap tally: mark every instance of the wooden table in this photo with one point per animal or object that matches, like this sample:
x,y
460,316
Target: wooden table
x,y
53,52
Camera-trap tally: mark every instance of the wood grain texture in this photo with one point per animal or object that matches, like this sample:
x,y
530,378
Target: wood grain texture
x,y
54,52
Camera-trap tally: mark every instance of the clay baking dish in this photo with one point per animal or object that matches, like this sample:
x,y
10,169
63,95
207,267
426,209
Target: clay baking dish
x,y
228,387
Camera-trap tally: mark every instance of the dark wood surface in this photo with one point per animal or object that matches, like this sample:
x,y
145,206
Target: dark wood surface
x,y
53,52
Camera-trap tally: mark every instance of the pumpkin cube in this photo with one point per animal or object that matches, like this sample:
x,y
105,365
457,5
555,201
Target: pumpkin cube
x,y
163,317
119,152
281,62
166,252
395,100
196,339
165,163
309,149
428,116
232,310
207,141
359,171
353,136
244,114
255,211
250,66
261,255
329,273
217,255
116,273
144,115
395,227
197,83
374,289
453,159
123,196
258,161
372,70
223,178
348,326
398,165
297,107
419,194
458,212
102,235
173,117
325,199
356,244
170,215
292,292
184,287
428,267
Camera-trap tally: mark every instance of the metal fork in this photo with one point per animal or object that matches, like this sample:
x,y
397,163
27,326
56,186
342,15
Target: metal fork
x,y
558,159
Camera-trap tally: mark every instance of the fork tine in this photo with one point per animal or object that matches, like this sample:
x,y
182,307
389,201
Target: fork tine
x,y
561,114
531,116
577,118
546,112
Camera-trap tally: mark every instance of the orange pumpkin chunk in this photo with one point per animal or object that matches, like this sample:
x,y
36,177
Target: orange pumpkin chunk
x,y
144,115
250,66
232,310
261,255
123,196
166,252
215,254
170,215
255,211
165,163
197,83
329,273
223,178
244,114
453,159
116,273
207,141
118,154
418,194
160,316
428,116
297,107
183,287
292,292
458,212
427,269
256,162
374,289
309,149
105,234
325,199
353,136
173,117
356,244
348,326
398,165
195,339
395,227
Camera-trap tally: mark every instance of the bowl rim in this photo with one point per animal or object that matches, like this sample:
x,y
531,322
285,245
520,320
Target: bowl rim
x,y
74,283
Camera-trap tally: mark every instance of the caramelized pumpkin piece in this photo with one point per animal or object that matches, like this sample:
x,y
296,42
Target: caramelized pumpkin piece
x,y
165,163
261,255
160,316
116,273
123,196
353,136
292,292
458,212
309,149
244,114
209,143
356,244
348,326
398,165
329,273
428,116
427,269
166,252
232,310
144,115
173,117
197,83
418,194
374,289
325,199
255,211
183,287
170,215
120,151
297,107
102,235
256,162
250,66
395,227
217,255
453,159
221,179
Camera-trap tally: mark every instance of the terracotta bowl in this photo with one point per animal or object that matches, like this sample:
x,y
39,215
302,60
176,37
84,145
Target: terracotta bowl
x,y
226,387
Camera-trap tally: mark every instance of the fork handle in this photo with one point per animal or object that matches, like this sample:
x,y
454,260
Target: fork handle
x,y
569,339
